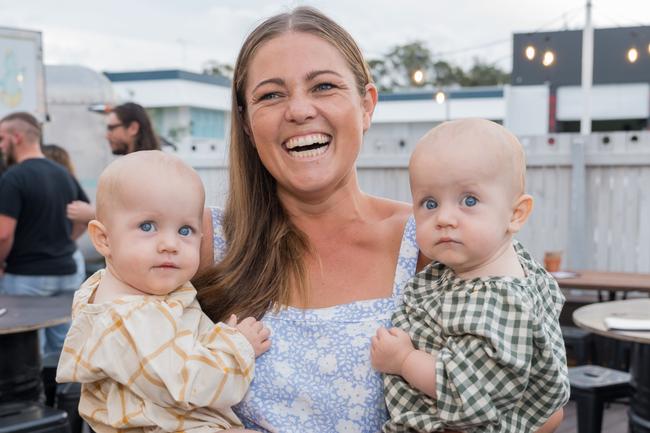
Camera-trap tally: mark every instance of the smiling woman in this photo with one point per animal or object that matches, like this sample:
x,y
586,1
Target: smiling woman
x,y
320,262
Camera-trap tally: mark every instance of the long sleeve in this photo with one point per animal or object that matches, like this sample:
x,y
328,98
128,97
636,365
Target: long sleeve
x,y
500,359
154,348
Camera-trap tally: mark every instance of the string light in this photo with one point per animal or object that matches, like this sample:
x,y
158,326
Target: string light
x,y
632,55
530,52
549,58
418,76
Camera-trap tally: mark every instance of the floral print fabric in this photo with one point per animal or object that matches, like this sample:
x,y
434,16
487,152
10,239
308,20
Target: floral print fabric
x,y
317,375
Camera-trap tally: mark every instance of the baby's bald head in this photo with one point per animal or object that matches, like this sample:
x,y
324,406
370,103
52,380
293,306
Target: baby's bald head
x,y
146,174
489,143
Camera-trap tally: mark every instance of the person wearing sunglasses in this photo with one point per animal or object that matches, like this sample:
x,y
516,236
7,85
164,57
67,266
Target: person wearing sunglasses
x,y
128,129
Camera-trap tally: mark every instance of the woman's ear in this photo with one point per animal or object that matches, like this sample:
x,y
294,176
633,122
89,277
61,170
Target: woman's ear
x,y
521,210
99,237
369,103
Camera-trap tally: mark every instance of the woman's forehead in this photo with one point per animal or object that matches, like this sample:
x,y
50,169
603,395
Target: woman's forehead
x,y
294,54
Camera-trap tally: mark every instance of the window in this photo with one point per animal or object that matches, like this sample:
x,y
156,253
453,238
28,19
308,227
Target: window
x,y
207,123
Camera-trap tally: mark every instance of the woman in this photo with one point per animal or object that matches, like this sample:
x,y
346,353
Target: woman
x,y
321,261
60,155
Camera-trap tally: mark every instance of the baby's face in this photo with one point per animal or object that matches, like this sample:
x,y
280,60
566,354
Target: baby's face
x,y
462,204
154,233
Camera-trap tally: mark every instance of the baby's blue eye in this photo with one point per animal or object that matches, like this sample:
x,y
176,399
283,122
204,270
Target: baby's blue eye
x,y
146,227
470,201
430,204
185,231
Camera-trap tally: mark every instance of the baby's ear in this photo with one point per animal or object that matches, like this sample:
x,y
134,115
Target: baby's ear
x,y
99,238
521,210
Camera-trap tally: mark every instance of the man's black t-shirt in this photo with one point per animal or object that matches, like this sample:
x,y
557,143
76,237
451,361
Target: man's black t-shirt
x,y
36,193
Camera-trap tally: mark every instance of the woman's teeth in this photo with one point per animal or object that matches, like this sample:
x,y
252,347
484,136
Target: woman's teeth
x,y
308,146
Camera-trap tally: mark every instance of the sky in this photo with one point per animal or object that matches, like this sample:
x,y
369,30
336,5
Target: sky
x,y
130,35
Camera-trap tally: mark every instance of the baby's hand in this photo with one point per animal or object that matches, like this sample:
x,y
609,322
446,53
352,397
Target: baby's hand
x,y
388,350
255,332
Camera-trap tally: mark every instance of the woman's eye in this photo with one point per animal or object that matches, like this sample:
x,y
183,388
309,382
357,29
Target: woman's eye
x,y
470,201
146,227
269,96
324,86
430,204
185,231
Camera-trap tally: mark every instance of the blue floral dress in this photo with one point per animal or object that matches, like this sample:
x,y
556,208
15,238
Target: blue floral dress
x,y
317,375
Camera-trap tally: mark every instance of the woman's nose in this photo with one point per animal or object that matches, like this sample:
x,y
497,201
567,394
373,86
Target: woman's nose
x,y
300,108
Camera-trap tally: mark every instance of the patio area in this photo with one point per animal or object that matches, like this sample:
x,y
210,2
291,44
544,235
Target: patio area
x,y
614,419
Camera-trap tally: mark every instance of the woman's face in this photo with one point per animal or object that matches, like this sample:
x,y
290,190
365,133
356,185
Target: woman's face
x,y
305,115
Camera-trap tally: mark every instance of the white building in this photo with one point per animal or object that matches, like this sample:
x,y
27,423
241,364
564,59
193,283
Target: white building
x,y
190,110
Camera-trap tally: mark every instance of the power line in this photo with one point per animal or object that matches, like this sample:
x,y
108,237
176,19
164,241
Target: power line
x,y
473,48
564,16
608,17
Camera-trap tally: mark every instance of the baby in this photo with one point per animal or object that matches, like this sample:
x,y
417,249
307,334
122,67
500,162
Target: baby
x,y
477,342
148,358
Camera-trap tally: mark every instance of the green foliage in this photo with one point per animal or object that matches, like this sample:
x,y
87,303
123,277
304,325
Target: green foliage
x,y
396,69
214,67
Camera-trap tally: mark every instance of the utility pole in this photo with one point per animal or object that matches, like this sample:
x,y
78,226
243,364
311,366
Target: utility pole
x,y
587,71
578,234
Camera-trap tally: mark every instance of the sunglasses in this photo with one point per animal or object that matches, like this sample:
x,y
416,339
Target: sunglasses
x,y
113,126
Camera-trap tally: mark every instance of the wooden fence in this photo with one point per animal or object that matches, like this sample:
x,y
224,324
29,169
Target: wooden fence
x,y
592,197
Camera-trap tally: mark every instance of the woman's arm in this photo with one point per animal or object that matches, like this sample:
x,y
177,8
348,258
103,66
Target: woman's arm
x,y
207,243
80,211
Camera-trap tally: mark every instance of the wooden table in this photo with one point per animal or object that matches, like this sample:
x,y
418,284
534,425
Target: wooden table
x,y
591,317
611,282
20,363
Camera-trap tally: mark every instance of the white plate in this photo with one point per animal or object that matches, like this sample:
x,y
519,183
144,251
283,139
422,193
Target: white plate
x,y
563,274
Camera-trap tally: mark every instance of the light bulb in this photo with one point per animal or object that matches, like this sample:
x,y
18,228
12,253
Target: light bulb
x,y
418,76
549,58
632,55
530,52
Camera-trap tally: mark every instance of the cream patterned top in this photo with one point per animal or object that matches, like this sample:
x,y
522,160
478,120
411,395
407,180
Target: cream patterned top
x,y
154,363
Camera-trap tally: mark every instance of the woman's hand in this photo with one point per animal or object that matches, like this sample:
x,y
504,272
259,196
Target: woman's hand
x,y
80,211
255,332
389,349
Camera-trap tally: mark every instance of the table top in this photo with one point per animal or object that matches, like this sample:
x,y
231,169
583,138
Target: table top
x,y
592,318
28,313
601,280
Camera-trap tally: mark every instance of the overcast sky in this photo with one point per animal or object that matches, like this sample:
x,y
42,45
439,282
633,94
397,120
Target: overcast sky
x,y
118,35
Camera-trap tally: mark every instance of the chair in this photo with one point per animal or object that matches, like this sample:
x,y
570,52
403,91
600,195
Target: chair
x,y
591,387
67,399
579,343
24,417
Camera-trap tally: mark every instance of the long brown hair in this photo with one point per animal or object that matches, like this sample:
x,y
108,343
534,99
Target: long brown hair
x,y
264,264
59,155
130,112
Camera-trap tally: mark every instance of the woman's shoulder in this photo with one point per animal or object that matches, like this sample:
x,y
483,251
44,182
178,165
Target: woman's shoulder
x,y
391,210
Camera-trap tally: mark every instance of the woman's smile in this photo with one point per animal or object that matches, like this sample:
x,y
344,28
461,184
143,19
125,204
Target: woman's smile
x,y
308,146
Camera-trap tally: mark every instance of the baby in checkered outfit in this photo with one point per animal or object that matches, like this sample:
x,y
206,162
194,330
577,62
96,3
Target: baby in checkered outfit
x,y
476,345
148,358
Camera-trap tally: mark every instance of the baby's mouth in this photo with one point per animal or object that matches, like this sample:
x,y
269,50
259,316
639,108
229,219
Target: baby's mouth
x,y
308,146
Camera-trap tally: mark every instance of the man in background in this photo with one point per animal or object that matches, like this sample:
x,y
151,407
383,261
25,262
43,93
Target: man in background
x,y
36,245
128,129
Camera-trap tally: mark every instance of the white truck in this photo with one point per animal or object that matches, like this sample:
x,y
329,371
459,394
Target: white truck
x,y
22,81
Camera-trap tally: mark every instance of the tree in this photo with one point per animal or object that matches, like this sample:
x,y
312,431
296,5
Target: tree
x,y
214,67
484,74
397,67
